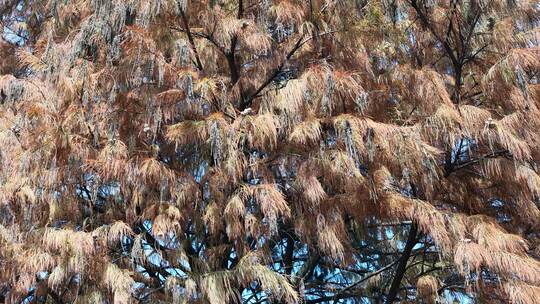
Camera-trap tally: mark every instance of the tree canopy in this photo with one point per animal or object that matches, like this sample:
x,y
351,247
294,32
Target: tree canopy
x,y
269,151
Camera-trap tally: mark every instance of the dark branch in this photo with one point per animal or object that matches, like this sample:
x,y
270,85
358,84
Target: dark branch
x,y
402,266
190,39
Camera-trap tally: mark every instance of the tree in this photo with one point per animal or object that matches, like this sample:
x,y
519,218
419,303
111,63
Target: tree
x,y
267,151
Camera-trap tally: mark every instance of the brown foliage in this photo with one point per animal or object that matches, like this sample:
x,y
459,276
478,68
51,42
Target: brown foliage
x,y
141,139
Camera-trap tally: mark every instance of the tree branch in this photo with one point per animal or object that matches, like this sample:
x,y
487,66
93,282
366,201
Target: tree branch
x,y
427,23
299,43
402,266
307,268
471,162
372,274
190,39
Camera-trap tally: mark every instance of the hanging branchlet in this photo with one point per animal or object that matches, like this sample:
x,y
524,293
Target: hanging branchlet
x,y
114,51
137,78
188,86
521,81
361,101
182,52
216,143
327,102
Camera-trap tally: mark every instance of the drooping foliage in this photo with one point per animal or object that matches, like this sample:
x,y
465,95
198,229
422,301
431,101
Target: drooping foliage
x,y
274,151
